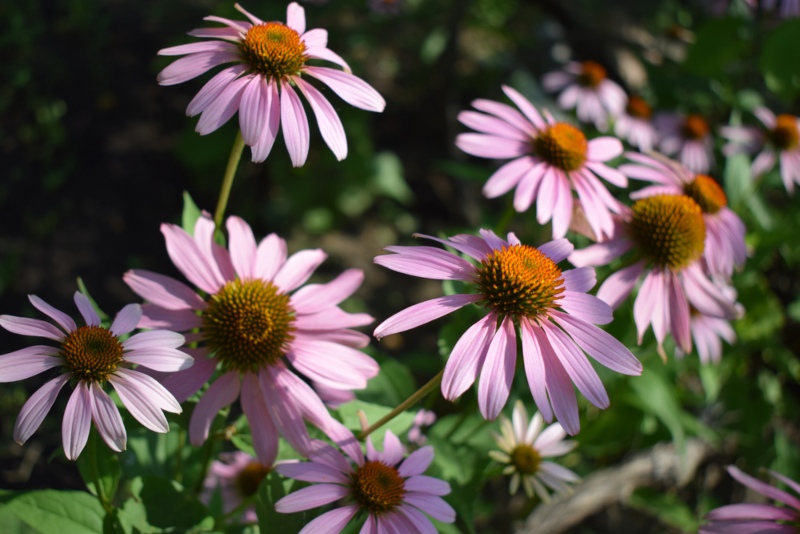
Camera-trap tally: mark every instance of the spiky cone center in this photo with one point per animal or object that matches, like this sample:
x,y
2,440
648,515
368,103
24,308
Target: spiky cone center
x,y
274,50
525,459
637,107
248,325
592,73
561,145
91,353
707,193
377,487
694,127
250,477
520,281
785,135
669,230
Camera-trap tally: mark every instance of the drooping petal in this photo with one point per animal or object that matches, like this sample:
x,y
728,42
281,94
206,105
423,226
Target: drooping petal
x,y
559,385
311,497
498,370
77,421
36,408
427,262
577,366
107,419
535,370
271,109
294,124
223,107
422,313
434,506
196,64
136,398
351,89
28,362
262,428
162,290
213,88
619,285
599,344
149,387
31,327
330,126
223,391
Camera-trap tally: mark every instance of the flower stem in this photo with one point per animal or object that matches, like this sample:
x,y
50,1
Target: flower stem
x,y
432,384
505,219
227,180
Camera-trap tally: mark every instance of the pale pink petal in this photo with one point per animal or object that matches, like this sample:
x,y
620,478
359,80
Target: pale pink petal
x,y
331,522
788,481
161,359
546,198
296,17
312,472
332,319
311,497
766,116
679,313
587,307
36,408
553,81
557,250
488,124
253,19
137,399
294,125
490,146
416,463
494,242
351,89
608,174
213,88
471,245
580,279
330,126
126,320
419,522
706,297
535,370
330,364
196,64
228,34
77,421
751,511
153,339
147,386
314,298
326,54
316,38
619,285
223,107
107,419
762,163
58,316
86,308
242,248
271,109
285,412
764,488
599,344
507,177
525,106
434,506
427,262
498,370
251,115
28,362
191,48
187,257
162,290
426,484
467,357
559,385
270,256
506,113
223,391
562,209
176,320
529,185
298,268
393,450
31,327
422,313
577,366
185,383
604,149
649,303
262,428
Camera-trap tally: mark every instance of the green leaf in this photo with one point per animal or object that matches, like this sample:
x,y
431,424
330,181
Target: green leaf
x,y
778,59
398,425
190,213
272,489
393,384
668,508
717,44
58,512
99,467
737,180
168,506
388,178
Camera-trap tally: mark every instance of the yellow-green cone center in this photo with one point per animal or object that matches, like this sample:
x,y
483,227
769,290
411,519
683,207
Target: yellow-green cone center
x,y
592,73
91,353
526,459
785,135
707,193
274,50
520,281
250,477
638,108
248,325
694,127
669,230
561,145
377,487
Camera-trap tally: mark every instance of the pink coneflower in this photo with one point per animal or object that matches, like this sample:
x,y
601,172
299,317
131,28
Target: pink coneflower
x,y
666,234
523,289
255,319
724,245
688,138
635,124
236,475
390,490
270,59
92,356
423,418
525,445
780,141
755,518
586,88
550,159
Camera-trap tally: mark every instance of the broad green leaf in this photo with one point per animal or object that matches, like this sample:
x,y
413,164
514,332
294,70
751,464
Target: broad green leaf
x,y
271,490
58,512
190,213
718,44
388,178
99,467
667,508
778,61
168,506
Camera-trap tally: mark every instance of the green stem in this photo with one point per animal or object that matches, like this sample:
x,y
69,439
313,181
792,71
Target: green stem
x,y
227,180
432,384
179,456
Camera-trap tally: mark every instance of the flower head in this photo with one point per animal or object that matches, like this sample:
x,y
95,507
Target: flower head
x,y
550,159
586,88
388,488
778,140
255,319
635,124
522,290
688,138
667,233
270,60
525,445
237,476
90,357
757,517
724,246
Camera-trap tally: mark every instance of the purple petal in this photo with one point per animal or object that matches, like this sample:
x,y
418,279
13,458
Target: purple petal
x,y
581,279
425,484
107,419
77,420
419,523
332,319
435,507
498,370
559,385
427,262
270,256
764,488
31,327
285,411
587,307
507,177
488,124
36,408
577,366
422,313
467,357
294,126
271,109
223,107
311,497
351,89
331,522
251,109
506,113
212,89
619,285
153,339
679,313
186,255
599,344
185,383
525,106
223,391
126,320
328,121
138,402
163,290
147,386
472,246
58,316
490,146
535,370
312,472
196,64
28,362
751,511
298,268
262,428
316,297
557,250
417,462
87,310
